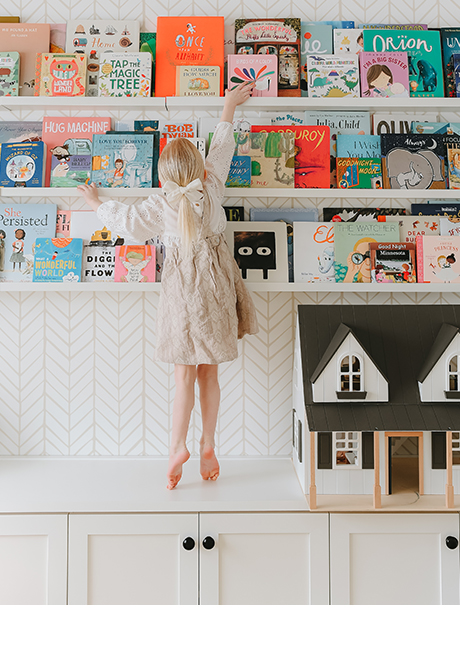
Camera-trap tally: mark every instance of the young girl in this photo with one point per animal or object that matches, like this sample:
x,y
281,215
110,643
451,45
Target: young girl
x,y
204,306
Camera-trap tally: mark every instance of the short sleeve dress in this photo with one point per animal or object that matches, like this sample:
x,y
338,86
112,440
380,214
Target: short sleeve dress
x,y
204,305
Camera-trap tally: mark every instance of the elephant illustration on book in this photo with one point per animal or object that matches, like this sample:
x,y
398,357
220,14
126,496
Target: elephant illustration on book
x,y
418,170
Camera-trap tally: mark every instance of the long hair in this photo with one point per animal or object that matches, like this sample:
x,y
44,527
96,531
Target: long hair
x,y
181,162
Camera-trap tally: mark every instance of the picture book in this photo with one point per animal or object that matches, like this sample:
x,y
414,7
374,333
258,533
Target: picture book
x,y
20,131
60,75
27,39
260,69
398,123
198,81
313,252
68,137
351,242
199,142
359,173
239,174
424,55
278,36
333,76
125,160
146,125
429,128
413,162
62,224
316,38
358,146
450,210
95,37
450,40
9,74
393,263
57,38
410,227
148,43
20,225
234,213
98,264
57,260
384,74
352,214
312,153
179,128
272,158
438,259
22,164
456,76
259,249
453,166
448,228
135,264
126,74
187,40
285,119
348,41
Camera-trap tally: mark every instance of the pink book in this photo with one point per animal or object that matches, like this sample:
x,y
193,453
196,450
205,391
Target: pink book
x,y
28,39
135,264
260,68
384,74
438,259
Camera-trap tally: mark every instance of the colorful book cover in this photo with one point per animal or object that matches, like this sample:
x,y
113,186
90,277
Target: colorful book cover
x,y
22,164
429,128
20,131
187,40
60,75
393,263
384,74
450,40
70,172
27,39
448,228
260,69
98,264
146,126
57,260
313,252
135,264
456,76
179,128
285,119
316,38
359,173
450,210
453,165
278,36
348,41
63,224
312,154
20,225
125,160
272,158
410,227
9,74
333,76
351,242
148,43
424,55
352,214
413,162
198,81
126,74
358,146
234,213
438,259
95,37
57,38
239,174
398,123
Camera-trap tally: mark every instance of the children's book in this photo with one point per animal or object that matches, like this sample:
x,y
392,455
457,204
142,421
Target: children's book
x,y
57,260
148,43
27,39
260,69
316,38
135,264
456,76
160,255
313,252
126,74
358,146
429,128
272,158
278,36
398,123
424,56
198,81
95,37
348,41
60,75
125,160
285,118
22,164
187,40
312,153
438,259
359,173
239,174
448,228
450,40
57,38
413,162
87,226
20,131
179,128
9,74
333,76
20,225
410,227
146,126
62,224
234,213
450,210
453,166
384,74
98,264
352,254
393,263
199,142
71,172
352,214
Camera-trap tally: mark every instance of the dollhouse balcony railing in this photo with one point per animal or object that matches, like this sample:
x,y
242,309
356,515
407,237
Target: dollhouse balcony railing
x,y
351,395
452,395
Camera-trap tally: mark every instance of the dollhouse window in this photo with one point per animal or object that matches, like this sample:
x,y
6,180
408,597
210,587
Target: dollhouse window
x,y
350,377
346,449
455,448
453,382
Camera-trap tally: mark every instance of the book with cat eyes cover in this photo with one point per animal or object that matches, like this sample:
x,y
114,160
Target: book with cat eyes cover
x,y
60,75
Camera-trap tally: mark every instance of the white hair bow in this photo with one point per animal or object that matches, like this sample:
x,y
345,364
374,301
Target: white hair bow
x,y
193,192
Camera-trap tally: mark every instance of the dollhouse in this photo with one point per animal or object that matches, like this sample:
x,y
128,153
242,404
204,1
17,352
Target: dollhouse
x,y
368,377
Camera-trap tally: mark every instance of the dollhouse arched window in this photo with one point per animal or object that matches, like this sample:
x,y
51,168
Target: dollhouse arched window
x,y
350,373
453,373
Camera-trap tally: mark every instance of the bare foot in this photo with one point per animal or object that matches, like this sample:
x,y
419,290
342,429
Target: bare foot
x,y
209,466
176,461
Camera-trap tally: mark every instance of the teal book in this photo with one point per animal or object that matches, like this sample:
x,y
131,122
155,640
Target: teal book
x,y
316,38
127,160
424,52
358,145
450,40
57,260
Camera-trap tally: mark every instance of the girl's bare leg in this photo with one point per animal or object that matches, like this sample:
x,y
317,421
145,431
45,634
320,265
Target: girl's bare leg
x,y
184,400
207,376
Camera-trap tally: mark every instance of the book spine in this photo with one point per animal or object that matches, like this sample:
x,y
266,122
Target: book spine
x,y
419,246
38,71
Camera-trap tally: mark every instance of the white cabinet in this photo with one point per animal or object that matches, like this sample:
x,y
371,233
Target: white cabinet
x,y
394,559
279,558
133,559
33,559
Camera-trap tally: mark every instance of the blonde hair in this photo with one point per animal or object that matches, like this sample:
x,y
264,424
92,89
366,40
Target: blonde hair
x,y
181,162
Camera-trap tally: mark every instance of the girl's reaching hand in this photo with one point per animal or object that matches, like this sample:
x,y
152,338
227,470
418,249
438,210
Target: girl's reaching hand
x,y
90,195
236,97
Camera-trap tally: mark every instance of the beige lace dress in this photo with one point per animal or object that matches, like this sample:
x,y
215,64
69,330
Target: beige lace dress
x,y
204,305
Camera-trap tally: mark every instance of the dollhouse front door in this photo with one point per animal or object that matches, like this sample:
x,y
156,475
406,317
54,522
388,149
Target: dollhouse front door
x,y
404,461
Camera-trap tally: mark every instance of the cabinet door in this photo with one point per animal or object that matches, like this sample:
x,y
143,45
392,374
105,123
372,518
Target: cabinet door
x,y
279,558
133,559
33,559
394,559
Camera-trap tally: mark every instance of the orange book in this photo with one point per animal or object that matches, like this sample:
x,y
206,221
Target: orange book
x,y
28,39
182,40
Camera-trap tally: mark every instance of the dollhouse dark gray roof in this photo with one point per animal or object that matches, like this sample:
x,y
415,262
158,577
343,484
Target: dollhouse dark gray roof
x,y
403,341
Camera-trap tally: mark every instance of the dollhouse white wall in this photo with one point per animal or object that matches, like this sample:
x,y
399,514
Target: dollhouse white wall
x,y
436,382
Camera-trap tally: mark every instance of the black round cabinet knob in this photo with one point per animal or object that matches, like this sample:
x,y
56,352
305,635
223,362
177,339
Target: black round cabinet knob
x,y
188,543
208,543
451,542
